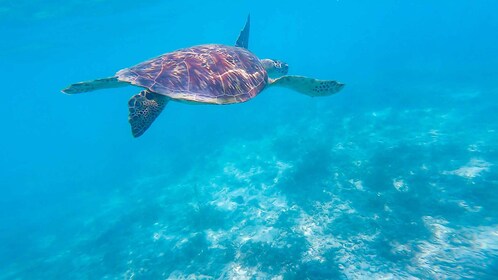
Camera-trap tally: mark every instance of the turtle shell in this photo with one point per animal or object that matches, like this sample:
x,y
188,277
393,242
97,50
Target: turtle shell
x,y
214,74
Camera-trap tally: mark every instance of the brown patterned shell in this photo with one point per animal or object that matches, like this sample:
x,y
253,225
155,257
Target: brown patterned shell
x,y
215,74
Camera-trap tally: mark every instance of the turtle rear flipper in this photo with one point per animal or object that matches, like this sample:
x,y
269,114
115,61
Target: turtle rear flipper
x,y
308,86
143,109
111,82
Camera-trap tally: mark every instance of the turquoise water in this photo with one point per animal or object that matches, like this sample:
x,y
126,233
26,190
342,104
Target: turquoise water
x,y
392,178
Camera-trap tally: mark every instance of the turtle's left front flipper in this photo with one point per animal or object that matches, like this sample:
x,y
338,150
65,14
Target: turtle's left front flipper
x,y
143,110
308,86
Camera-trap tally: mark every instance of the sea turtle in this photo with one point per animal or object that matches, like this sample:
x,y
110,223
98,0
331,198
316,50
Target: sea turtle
x,y
211,74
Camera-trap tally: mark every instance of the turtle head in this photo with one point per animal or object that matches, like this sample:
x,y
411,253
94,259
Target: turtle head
x,y
275,68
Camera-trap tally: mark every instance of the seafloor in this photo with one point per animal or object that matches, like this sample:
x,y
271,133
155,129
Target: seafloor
x,y
391,193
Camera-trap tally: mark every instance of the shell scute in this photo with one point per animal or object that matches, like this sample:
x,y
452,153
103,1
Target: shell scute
x,y
208,73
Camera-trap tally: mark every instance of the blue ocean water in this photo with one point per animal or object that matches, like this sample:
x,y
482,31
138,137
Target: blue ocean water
x,y
395,177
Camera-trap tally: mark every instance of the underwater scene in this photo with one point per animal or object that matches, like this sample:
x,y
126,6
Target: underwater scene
x,y
367,148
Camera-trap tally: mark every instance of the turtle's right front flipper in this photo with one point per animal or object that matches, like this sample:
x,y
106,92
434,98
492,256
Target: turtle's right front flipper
x,y
143,110
243,40
112,82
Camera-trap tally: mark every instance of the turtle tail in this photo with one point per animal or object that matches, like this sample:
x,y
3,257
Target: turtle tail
x,y
111,82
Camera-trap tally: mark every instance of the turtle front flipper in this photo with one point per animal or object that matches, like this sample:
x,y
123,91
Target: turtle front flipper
x,y
143,109
308,86
243,40
81,87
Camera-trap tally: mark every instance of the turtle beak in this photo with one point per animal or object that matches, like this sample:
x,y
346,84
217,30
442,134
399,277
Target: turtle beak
x,y
285,68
